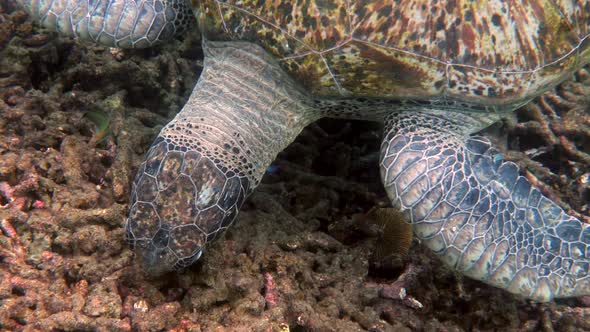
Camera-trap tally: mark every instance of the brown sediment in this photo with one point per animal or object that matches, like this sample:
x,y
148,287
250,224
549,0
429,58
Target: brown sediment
x,y
295,258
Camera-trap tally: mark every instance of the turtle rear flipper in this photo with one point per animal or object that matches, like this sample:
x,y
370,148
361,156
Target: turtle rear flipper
x,y
478,213
243,111
117,23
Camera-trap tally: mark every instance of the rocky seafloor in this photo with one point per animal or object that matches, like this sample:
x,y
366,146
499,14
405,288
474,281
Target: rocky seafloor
x,y
75,122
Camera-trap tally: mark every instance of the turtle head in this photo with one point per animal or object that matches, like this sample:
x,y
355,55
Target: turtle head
x,y
243,111
180,201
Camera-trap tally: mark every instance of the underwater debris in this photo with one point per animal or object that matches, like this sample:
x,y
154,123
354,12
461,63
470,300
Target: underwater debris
x,y
18,196
8,229
283,327
38,204
398,289
271,295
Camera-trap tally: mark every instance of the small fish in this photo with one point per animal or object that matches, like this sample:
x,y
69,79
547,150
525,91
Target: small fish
x,y
101,122
395,234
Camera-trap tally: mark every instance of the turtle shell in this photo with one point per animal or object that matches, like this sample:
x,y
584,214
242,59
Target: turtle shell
x,y
486,52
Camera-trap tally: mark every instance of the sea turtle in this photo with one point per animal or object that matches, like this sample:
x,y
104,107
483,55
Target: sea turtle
x,y
434,72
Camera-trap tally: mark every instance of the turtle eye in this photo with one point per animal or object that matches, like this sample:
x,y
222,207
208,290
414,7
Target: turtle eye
x,y
180,201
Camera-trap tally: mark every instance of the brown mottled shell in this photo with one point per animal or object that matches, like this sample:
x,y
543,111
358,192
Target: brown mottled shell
x,y
490,52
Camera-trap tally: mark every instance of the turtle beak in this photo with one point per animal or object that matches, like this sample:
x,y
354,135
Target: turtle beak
x,y
155,261
155,256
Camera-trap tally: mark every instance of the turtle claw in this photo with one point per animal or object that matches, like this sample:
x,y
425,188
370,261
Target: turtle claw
x,y
181,200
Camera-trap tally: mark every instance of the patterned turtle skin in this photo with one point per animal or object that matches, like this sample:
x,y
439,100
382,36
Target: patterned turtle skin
x,y
434,71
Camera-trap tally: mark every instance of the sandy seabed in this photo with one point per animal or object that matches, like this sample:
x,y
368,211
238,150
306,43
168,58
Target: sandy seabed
x,y
296,260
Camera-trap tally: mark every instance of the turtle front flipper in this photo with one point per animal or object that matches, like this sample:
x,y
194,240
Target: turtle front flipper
x,y
117,23
243,111
476,211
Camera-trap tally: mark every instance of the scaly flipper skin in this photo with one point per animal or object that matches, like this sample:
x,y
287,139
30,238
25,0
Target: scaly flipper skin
x,y
477,212
117,23
242,112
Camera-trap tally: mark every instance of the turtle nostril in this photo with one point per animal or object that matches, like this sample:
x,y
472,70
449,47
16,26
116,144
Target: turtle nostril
x,y
162,237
